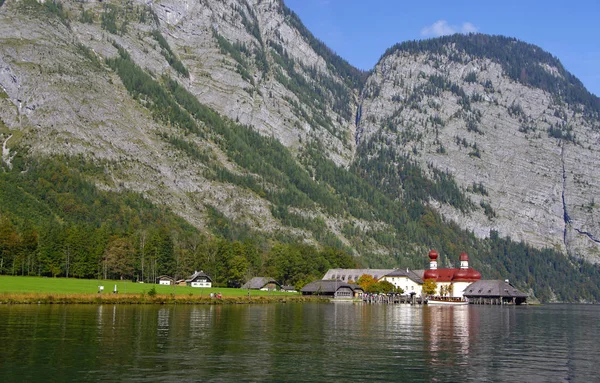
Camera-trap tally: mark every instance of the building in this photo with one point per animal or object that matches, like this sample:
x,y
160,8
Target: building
x,y
451,282
352,275
334,289
407,280
262,283
165,280
454,281
288,289
494,292
199,279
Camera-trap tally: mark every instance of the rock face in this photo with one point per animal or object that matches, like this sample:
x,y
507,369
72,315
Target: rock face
x,y
244,58
524,155
261,97
528,156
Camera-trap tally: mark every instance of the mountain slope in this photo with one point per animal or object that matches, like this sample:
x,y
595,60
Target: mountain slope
x,y
234,117
505,120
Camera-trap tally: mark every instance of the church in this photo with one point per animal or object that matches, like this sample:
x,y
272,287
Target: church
x,y
451,282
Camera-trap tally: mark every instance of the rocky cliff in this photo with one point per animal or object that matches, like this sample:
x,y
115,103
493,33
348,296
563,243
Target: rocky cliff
x,y
245,59
523,148
232,108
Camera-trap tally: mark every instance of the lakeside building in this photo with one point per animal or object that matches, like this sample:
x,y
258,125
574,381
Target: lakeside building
x,y
335,289
460,283
165,280
262,283
409,281
452,280
352,275
199,279
494,292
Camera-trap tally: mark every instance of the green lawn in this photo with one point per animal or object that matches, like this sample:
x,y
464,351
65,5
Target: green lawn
x,y
12,284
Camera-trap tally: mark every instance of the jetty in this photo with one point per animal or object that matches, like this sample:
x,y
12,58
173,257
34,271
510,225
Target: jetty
x,y
392,299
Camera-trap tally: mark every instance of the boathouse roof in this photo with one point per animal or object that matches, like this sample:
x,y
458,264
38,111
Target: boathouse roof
x,y
258,283
493,288
328,287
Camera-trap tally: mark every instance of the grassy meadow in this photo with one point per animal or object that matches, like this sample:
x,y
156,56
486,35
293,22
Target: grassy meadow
x,y
14,289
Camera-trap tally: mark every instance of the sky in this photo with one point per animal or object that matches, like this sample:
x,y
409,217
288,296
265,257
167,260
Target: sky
x,y
361,30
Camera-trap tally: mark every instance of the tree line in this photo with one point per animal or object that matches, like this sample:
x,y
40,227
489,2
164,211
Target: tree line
x,y
54,223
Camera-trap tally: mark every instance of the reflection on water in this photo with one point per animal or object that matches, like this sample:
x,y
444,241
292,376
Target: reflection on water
x,y
299,342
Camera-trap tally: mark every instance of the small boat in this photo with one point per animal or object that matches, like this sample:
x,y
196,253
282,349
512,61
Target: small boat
x,y
443,301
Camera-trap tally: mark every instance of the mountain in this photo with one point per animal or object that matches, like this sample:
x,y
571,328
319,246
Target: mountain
x,y
142,138
515,130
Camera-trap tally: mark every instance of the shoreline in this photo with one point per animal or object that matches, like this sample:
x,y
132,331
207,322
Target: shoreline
x,y
160,299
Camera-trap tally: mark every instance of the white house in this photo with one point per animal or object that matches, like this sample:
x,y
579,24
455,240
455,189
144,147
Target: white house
x,y
406,280
199,279
165,280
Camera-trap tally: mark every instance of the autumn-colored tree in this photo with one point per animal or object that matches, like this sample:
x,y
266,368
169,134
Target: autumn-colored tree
x,y
366,281
429,287
119,258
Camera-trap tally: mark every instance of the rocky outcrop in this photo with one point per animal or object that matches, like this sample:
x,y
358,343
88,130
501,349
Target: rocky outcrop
x,y
468,117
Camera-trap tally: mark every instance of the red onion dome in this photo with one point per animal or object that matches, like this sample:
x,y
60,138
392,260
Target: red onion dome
x,y
461,274
466,275
474,274
430,274
464,256
433,255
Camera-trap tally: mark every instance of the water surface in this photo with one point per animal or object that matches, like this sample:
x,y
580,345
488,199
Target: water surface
x,y
299,342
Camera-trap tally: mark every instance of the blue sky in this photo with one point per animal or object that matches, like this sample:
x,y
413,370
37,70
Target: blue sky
x,y
361,30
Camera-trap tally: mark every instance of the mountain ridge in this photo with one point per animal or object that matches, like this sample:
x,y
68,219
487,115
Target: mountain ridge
x,y
317,177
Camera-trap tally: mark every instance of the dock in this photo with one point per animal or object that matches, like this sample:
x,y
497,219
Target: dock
x,y
390,299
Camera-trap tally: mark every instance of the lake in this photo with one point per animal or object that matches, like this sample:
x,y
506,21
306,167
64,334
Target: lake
x,y
307,342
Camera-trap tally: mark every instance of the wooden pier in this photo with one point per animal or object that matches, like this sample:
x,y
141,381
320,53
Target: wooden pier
x,y
392,299
494,301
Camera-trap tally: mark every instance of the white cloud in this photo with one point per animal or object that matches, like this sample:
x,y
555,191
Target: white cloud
x,y
468,28
442,28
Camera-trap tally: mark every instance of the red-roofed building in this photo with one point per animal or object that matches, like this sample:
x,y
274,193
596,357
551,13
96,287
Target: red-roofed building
x,y
456,279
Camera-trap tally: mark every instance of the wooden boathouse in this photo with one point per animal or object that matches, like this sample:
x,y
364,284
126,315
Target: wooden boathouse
x,y
494,292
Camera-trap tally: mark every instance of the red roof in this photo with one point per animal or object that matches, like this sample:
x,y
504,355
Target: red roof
x,y
452,275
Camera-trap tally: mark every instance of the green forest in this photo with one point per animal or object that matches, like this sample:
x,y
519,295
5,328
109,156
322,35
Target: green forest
x,y
55,223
